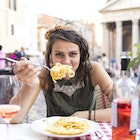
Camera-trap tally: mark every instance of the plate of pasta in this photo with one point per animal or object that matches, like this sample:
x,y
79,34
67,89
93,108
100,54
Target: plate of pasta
x,y
63,127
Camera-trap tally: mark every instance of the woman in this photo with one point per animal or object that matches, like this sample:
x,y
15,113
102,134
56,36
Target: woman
x,y
69,96
2,59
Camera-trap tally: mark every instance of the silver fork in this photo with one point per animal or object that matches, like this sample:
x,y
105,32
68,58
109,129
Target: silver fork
x,y
98,132
35,64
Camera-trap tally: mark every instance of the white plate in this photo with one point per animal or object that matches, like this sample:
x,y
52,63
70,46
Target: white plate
x,y
40,125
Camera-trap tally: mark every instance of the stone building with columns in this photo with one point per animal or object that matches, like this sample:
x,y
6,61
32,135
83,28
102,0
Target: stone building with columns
x,y
121,26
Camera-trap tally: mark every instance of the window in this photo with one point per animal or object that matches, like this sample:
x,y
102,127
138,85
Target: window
x,y
12,4
12,29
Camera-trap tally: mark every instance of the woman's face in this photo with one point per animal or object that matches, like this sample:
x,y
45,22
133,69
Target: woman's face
x,y
66,53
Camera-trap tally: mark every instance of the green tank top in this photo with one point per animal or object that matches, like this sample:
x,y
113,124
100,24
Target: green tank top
x,y
61,104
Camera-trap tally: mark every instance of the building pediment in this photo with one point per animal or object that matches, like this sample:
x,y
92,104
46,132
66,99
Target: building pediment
x,y
119,5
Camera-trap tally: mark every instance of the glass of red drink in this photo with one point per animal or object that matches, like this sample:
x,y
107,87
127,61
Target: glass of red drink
x,y
9,86
122,121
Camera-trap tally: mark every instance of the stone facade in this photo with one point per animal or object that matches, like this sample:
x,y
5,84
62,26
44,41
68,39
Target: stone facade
x,y
121,26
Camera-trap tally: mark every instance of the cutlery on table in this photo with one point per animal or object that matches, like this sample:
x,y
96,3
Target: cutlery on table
x,y
98,132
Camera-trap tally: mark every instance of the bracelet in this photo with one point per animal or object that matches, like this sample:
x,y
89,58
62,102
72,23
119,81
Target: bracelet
x,y
89,115
95,115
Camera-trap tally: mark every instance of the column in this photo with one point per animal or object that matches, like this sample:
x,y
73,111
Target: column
x,y
105,44
135,35
135,31
118,40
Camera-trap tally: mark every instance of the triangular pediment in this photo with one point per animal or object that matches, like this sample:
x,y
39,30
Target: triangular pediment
x,y
117,5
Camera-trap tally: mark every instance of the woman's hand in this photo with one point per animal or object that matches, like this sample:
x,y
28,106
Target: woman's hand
x,y
26,72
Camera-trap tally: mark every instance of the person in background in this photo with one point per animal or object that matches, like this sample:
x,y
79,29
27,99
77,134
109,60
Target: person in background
x,y
68,96
21,53
14,55
105,61
2,58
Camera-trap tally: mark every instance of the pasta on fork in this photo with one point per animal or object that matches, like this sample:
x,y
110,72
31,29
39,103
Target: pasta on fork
x,y
59,71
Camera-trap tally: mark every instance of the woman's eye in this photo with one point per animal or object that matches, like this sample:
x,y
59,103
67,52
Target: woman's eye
x,y
73,54
59,54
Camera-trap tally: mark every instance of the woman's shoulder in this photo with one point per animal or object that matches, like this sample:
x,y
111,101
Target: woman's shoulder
x,y
95,65
97,73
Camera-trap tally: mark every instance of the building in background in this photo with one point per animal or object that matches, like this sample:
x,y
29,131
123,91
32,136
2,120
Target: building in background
x,y
45,22
12,24
121,26
18,26
21,25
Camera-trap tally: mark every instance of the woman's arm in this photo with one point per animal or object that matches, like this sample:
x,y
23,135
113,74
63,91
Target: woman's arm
x,y
100,77
28,75
102,115
25,98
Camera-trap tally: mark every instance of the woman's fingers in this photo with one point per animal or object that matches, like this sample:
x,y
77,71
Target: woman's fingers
x,y
20,65
29,72
26,72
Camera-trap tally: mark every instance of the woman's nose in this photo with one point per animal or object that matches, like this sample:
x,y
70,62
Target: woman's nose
x,y
67,60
